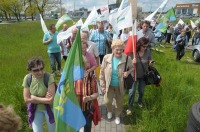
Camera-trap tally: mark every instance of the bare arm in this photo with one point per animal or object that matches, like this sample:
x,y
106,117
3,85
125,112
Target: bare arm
x,y
48,41
97,60
92,68
91,97
61,44
102,77
27,96
48,99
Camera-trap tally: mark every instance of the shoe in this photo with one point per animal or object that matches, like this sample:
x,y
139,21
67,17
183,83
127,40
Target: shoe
x,y
128,112
140,105
109,115
54,74
117,120
59,73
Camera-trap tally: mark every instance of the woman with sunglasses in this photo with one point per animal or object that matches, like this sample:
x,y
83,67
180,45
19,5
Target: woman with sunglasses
x,y
143,59
39,97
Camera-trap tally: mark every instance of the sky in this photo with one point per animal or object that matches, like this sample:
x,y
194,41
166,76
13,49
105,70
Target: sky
x,y
145,4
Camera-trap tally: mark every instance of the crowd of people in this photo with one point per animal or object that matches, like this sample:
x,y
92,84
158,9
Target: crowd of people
x,y
98,49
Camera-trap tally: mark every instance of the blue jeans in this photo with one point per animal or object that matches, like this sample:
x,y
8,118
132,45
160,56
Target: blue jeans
x,y
196,41
141,86
55,57
88,126
37,124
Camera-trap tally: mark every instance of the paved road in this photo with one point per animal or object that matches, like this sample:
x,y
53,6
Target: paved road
x,y
107,125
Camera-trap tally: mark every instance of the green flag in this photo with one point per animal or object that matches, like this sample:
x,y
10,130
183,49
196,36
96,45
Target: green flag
x,y
67,112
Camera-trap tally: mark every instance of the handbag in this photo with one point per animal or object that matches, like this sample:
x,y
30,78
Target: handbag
x,y
151,76
128,81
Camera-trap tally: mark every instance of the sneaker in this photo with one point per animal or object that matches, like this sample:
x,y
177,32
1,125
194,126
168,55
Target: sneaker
x,y
109,115
54,74
117,120
140,105
59,73
128,112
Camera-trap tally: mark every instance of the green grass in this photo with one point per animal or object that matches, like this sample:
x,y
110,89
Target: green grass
x,y
166,108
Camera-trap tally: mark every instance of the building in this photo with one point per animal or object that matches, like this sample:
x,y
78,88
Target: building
x,y
187,9
77,14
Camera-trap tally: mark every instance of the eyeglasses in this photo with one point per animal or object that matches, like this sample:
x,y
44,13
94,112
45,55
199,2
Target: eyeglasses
x,y
37,70
144,46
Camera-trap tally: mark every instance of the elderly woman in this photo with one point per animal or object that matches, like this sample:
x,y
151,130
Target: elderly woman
x,y
143,60
39,90
112,78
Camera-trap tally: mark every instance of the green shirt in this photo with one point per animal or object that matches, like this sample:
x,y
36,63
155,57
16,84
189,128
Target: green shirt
x,y
38,88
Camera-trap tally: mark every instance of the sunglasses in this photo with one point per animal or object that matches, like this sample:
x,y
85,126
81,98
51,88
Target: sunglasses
x,y
144,46
37,70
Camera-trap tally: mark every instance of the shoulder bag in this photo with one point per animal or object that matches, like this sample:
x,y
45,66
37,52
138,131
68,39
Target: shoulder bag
x,y
128,81
151,76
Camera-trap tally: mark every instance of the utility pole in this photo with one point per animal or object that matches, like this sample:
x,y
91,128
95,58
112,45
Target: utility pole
x,y
60,8
74,5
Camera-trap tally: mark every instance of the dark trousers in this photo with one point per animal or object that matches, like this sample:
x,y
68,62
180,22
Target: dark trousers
x,y
168,37
88,126
101,58
55,57
180,53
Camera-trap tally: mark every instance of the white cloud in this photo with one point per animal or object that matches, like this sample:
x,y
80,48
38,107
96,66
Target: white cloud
x,y
147,5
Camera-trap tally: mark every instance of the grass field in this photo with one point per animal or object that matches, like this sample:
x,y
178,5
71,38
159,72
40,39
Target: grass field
x,y
165,109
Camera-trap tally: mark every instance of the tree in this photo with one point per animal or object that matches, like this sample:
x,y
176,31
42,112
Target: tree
x,y
44,4
16,8
4,7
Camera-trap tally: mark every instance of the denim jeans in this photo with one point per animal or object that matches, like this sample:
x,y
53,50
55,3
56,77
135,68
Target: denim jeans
x,y
196,41
55,57
132,91
88,125
37,124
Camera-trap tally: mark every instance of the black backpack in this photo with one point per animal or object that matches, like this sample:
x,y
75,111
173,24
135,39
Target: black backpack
x,y
46,79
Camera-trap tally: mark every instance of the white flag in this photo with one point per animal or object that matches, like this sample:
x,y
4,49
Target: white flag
x,y
104,14
79,23
163,5
123,5
44,27
150,17
192,24
90,19
66,34
179,22
124,19
113,21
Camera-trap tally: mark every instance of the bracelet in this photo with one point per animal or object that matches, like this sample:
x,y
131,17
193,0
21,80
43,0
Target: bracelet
x,y
90,97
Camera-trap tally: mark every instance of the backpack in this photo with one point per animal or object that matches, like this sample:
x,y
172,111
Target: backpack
x,y
46,79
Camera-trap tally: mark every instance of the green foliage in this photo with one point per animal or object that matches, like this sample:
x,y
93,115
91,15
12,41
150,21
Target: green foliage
x,y
19,42
166,108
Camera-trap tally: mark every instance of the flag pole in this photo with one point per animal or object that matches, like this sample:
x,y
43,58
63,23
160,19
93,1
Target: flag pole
x,y
134,47
158,16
